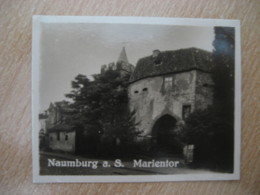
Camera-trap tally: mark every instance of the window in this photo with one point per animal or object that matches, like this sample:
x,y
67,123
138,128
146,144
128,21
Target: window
x,y
186,110
145,89
158,62
168,83
136,91
66,137
58,135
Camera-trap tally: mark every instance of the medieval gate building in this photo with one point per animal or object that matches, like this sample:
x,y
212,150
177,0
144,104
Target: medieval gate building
x,y
166,87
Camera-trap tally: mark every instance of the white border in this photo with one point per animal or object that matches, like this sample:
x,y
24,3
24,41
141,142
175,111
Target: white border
x,y
37,20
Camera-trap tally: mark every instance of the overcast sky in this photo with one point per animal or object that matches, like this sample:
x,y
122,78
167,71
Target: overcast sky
x,y
71,49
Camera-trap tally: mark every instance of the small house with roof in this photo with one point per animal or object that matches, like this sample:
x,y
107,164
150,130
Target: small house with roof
x,y
61,135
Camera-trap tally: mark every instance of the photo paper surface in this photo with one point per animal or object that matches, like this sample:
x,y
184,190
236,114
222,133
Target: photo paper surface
x,y
135,99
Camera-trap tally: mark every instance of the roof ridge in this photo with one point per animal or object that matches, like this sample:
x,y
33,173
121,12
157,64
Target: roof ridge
x,y
172,61
181,49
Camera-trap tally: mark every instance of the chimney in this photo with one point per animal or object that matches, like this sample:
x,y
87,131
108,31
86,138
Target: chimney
x,y
156,52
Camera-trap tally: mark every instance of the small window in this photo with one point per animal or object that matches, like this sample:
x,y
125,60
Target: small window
x,y
145,89
168,83
136,91
58,135
66,137
186,110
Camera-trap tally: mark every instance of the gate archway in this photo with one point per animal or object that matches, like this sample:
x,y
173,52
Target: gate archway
x,y
165,141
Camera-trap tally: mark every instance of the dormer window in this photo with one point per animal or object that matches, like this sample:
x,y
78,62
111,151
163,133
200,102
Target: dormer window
x,y
157,57
158,62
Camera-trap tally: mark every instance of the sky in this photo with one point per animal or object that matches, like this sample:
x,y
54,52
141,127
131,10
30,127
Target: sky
x,y
69,49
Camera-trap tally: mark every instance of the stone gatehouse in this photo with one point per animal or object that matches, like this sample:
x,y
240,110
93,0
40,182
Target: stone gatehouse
x,y
166,87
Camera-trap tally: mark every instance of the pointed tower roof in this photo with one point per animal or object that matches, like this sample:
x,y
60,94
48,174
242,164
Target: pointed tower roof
x,y
51,106
122,56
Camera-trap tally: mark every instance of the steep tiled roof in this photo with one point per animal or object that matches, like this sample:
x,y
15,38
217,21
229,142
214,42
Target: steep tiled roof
x,y
173,61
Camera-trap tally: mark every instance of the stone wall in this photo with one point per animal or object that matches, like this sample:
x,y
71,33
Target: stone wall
x,y
204,90
157,96
66,141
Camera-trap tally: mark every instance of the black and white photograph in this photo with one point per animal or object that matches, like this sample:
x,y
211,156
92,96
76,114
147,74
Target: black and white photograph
x,y
132,99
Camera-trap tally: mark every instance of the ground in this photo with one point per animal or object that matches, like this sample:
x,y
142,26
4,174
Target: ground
x,y
128,168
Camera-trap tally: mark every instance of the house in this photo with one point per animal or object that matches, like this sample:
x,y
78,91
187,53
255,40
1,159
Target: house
x,y
61,136
165,88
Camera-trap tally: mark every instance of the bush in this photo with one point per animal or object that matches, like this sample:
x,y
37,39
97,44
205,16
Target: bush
x,y
212,134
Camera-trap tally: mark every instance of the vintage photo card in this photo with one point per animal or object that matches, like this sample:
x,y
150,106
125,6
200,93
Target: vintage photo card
x,y
132,99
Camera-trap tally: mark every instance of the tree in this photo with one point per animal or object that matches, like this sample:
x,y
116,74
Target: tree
x,y
212,130
223,71
212,135
101,107
224,79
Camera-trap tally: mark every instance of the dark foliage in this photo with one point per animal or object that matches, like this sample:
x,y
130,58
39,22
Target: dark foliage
x,y
102,114
212,135
223,72
212,130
